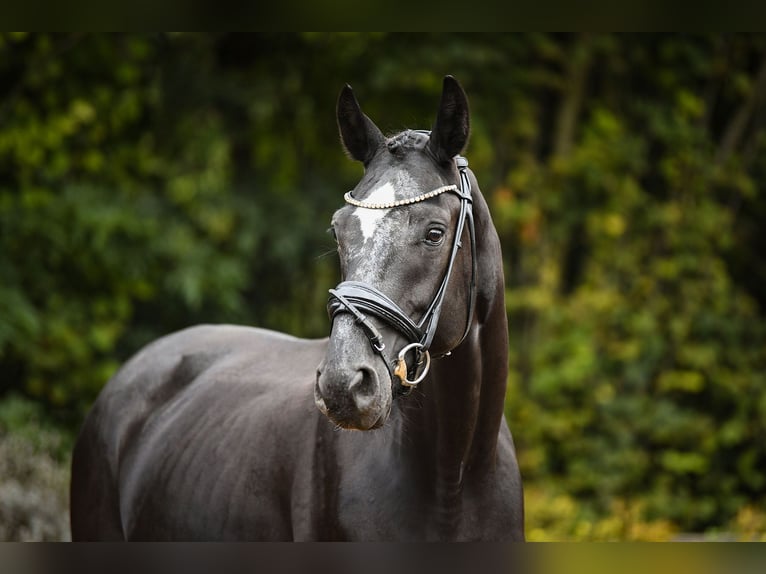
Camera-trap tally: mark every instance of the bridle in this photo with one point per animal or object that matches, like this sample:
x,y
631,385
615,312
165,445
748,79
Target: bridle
x,y
357,298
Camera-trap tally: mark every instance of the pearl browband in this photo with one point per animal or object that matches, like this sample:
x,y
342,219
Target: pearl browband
x,y
388,205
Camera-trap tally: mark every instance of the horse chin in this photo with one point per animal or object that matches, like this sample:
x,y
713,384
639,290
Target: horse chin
x,y
367,423
350,420
381,419
356,426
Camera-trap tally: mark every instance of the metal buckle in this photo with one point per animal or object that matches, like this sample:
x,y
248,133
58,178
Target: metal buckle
x,y
400,370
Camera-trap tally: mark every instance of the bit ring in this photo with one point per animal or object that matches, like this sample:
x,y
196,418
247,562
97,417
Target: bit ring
x,y
400,370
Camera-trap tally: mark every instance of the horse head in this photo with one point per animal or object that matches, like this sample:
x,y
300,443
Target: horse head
x,y
407,277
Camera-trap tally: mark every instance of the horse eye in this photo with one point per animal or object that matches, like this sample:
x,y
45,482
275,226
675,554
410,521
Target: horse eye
x,y
435,236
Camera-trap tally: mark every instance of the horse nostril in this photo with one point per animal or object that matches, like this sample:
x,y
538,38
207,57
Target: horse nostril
x,y
350,398
364,389
318,395
321,383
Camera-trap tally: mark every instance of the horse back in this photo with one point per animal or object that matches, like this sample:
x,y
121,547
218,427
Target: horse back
x,y
224,398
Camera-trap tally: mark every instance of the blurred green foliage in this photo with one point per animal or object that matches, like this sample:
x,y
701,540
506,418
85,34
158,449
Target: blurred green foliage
x,y
150,182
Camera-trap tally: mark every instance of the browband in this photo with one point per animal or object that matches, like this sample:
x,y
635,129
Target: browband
x,y
388,205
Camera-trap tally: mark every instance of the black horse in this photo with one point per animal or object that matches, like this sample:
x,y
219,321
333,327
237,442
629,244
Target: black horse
x,y
213,433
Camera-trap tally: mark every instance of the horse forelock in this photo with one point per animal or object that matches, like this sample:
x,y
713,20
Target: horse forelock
x,y
406,140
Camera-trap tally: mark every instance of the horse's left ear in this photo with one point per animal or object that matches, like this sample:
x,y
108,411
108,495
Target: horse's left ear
x,y
450,132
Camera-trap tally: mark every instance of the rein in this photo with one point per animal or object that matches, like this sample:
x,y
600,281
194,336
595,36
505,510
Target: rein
x,y
359,298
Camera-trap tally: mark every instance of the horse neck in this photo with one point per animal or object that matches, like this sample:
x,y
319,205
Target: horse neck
x,y
460,411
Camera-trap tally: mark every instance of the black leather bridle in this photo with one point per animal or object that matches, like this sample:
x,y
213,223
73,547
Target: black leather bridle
x,y
359,299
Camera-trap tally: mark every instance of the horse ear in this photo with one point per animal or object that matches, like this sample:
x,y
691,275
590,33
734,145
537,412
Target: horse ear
x,y
450,132
359,134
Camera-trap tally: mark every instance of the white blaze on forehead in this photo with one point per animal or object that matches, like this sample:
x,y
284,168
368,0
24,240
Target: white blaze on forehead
x,y
369,219
378,230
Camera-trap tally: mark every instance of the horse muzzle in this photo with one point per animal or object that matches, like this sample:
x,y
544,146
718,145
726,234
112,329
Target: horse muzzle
x,y
352,387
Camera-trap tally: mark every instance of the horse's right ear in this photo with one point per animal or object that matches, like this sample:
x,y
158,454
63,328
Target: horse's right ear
x,y
359,134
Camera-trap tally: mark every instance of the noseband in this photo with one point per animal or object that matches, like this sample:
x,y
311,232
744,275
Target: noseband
x,y
359,299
